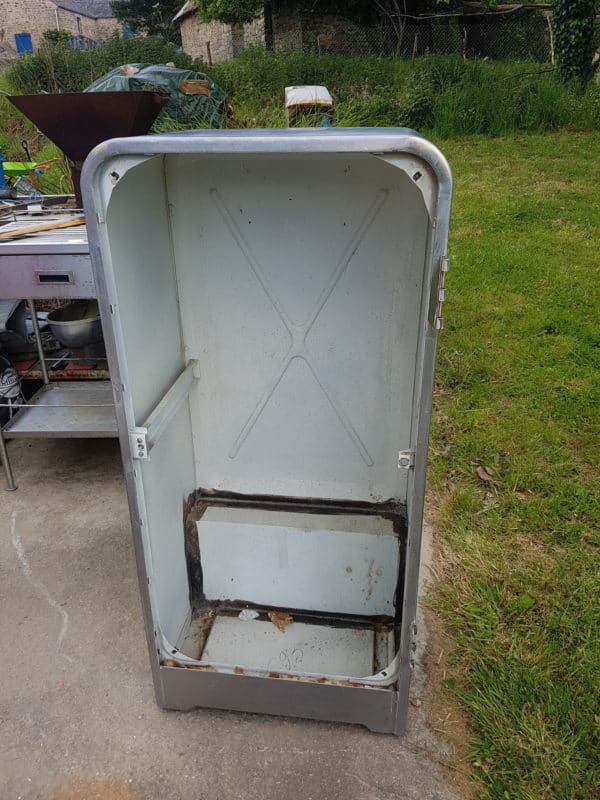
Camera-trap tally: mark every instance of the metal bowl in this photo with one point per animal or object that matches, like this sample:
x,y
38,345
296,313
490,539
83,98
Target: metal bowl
x,y
77,324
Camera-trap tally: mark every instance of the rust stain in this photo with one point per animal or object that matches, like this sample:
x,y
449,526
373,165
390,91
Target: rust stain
x,y
73,373
193,509
96,790
169,662
280,619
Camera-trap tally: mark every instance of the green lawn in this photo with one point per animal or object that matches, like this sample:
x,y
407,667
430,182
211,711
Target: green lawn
x,y
517,392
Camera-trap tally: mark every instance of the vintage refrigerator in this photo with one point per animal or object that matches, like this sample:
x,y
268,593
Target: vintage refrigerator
x,y
271,301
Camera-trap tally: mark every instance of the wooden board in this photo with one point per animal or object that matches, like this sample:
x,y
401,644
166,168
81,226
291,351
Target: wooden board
x,y
42,226
191,87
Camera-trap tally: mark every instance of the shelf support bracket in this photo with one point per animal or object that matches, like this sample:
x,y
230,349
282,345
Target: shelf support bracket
x,y
143,438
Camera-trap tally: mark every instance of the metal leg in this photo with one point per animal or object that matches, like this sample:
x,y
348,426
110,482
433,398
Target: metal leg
x,y
10,481
38,341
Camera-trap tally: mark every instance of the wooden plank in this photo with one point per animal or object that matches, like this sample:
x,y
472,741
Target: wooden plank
x,y
191,87
42,226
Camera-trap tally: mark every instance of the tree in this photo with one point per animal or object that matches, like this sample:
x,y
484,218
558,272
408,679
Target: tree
x,y
237,12
573,24
58,37
232,12
149,16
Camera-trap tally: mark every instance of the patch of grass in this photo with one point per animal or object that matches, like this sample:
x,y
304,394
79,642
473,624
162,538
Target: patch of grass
x,y
518,392
444,96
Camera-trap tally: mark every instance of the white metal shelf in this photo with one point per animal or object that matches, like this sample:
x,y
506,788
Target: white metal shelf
x,y
70,409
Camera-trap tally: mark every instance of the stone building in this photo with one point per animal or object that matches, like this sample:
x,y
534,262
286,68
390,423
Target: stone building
x,y
278,30
213,42
25,21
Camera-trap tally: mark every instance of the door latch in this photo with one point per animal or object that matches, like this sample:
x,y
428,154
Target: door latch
x,y
406,459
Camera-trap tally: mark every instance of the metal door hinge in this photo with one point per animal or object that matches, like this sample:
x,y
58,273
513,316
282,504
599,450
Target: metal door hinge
x,y
441,295
406,459
413,643
138,441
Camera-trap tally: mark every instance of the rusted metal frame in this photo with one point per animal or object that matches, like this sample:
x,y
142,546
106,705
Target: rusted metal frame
x,y
78,121
198,502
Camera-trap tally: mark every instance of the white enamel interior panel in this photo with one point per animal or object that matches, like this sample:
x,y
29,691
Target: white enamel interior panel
x,y
346,564
299,280
147,328
144,293
300,270
319,649
165,479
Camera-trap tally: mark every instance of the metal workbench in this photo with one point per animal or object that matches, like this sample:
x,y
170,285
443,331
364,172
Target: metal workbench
x,y
47,264
44,265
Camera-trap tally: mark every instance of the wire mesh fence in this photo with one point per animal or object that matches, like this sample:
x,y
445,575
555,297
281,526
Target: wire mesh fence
x,y
517,33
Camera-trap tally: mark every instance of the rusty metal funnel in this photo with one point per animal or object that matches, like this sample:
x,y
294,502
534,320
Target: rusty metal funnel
x,y
77,121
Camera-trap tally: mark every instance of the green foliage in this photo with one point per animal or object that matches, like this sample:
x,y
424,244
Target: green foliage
x,y
439,95
573,22
55,36
240,11
232,12
60,68
444,95
150,17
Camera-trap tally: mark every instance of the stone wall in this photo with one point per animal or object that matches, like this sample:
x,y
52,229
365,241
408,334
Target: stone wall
x,y
332,34
38,16
291,31
96,29
25,16
226,41
254,32
287,31
196,34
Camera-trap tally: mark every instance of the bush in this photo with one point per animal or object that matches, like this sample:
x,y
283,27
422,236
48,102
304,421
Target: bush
x,y
56,36
445,96
573,22
56,67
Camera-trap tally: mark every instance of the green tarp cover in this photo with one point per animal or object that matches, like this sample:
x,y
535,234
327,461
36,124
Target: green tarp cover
x,y
187,109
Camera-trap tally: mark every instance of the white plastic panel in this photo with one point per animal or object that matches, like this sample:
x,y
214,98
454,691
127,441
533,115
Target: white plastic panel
x,y
300,281
322,562
301,647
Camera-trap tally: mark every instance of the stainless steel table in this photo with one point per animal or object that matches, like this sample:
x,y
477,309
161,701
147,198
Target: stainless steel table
x,y
46,265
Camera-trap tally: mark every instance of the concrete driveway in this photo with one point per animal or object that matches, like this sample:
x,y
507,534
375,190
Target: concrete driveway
x,y
77,714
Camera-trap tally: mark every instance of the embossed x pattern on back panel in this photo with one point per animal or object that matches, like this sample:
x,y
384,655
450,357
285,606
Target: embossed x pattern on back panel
x,y
305,278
